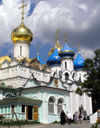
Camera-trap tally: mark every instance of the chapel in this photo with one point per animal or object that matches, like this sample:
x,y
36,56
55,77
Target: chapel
x,y
38,91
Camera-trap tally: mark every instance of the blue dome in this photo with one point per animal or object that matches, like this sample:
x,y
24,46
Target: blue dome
x,y
38,57
78,62
54,58
66,51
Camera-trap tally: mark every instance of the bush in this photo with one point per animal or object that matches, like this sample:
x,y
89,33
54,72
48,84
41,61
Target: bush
x,y
55,122
14,122
95,125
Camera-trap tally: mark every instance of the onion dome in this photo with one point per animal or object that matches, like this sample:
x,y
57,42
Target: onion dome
x,y
58,46
38,57
54,59
22,33
66,52
78,62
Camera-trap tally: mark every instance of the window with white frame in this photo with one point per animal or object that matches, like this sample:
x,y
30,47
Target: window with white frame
x,y
51,106
59,106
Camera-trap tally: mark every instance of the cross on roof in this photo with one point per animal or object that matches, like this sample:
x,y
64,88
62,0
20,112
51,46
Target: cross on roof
x,y
65,37
57,34
22,9
38,49
78,47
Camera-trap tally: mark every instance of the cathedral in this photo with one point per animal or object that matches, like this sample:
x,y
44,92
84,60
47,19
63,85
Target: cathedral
x,y
38,91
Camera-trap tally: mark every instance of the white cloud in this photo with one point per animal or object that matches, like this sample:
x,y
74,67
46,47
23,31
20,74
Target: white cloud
x,y
83,7
87,53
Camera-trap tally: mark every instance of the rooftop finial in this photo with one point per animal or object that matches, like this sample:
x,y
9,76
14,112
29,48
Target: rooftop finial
x,y
57,37
22,10
65,37
57,34
38,49
78,48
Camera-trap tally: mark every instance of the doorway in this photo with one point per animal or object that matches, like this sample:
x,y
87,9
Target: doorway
x,y
30,112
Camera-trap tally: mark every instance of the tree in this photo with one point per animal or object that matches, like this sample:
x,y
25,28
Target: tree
x,y
91,86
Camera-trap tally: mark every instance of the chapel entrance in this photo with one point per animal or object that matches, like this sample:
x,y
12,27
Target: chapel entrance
x,y
32,112
29,112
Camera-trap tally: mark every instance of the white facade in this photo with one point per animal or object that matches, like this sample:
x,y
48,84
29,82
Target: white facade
x,y
21,49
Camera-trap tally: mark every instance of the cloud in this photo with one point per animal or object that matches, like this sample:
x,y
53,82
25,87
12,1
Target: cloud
x,y
83,7
79,19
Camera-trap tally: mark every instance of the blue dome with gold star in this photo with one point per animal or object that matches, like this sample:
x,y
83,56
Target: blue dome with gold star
x,y
78,62
54,58
66,52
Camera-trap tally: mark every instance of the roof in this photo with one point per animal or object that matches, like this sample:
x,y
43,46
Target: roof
x,y
20,99
7,87
66,51
54,58
78,62
38,57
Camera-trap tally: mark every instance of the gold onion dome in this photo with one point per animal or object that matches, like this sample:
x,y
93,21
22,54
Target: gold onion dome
x,y
58,46
22,33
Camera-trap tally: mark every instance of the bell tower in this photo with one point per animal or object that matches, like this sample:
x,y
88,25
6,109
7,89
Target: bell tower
x,y
22,37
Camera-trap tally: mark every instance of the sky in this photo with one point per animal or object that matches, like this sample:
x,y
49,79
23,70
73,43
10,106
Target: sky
x,y
79,19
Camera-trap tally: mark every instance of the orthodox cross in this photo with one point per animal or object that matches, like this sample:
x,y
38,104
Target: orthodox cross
x,y
22,9
38,49
65,37
57,34
78,48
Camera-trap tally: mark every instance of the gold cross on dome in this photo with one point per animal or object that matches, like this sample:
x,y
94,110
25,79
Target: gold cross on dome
x,y
22,9
65,37
78,47
57,34
38,49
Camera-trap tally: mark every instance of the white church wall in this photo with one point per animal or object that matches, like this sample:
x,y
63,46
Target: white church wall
x,y
5,64
21,49
55,68
67,64
14,62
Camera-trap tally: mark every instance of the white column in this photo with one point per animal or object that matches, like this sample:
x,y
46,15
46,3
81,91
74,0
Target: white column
x,y
45,105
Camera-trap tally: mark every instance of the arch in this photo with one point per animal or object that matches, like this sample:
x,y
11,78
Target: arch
x,y
52,98
60,101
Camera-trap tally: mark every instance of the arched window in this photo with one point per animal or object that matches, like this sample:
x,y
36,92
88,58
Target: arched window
x,y
59,106
51,105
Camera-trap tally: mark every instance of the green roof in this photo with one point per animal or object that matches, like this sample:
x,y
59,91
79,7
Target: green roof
x,y
18,99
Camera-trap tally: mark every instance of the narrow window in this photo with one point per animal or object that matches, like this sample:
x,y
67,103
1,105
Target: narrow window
x,y
12,108
23,108
65,65
51,106
20,50
59,106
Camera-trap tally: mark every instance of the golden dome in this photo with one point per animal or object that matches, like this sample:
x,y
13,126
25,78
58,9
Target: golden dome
x,y
5,58
58,46
22,33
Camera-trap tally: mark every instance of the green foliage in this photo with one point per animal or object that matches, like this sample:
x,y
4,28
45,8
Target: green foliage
x,y
95,125
55,122
3,84
14,122
79,91
1,117
91,86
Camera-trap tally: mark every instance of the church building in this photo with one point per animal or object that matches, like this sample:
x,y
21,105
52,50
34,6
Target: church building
x,y
38,91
